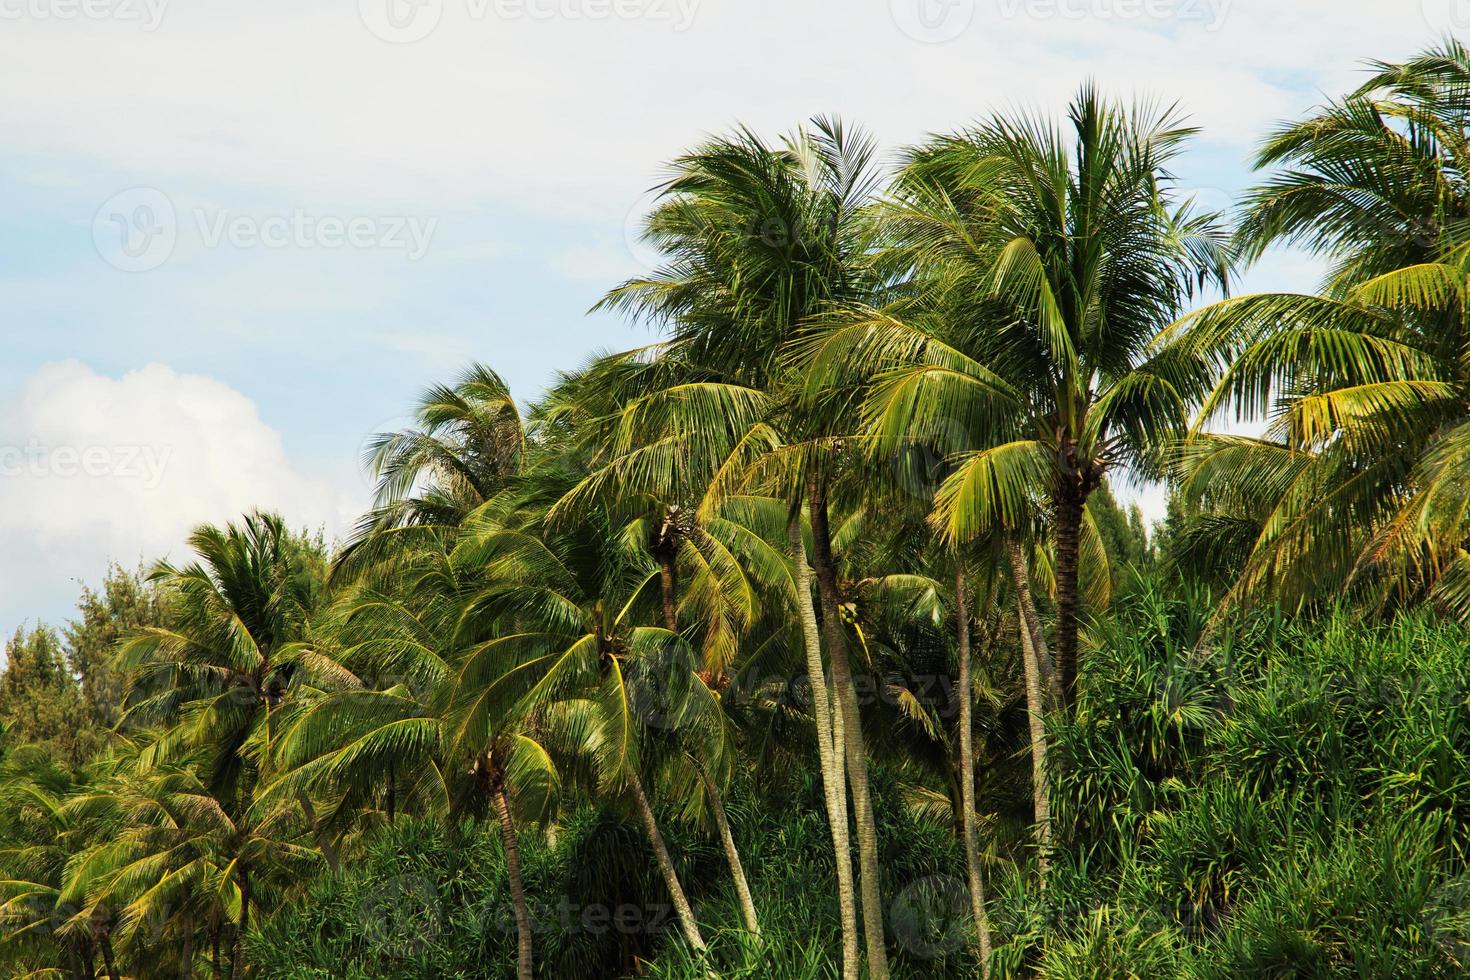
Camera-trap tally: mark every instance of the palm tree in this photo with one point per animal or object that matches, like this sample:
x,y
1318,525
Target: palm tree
x,y
1358,478
466,446
39,835
758,239
1030,346
226,660
392,725
566,650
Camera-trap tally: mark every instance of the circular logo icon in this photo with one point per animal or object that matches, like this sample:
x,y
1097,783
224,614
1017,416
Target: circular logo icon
x,y
931,917
401,914
136,230
1447,919
932,21
401,21
1445,15
635,224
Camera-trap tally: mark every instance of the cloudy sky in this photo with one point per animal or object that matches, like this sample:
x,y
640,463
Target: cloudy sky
x,y
239,237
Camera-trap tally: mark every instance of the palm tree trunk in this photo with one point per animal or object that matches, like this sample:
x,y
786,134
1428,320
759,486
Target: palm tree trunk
x,y
685,914
717,805
323,843
857,763
108,960
186,955
1036,712
524,952
237,961
669,589
967,774
732,854
1069,531
829,755
214,952
1031,622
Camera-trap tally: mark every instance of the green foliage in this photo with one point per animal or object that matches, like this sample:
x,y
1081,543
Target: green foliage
x,y
40,702
552,707
1289,804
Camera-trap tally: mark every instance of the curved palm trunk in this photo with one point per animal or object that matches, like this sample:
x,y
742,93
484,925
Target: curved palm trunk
x,y
1036,713
1031,622
1068,531
524,952
829,751
852,731
717,803
967,775
682,910
237,961
732,854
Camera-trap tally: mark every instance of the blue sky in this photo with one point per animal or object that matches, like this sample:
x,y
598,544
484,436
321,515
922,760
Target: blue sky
x,y
331,205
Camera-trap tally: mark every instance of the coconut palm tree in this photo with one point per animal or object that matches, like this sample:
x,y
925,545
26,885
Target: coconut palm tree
x,y
757,238
1048,262
1358,478
466,445
564,607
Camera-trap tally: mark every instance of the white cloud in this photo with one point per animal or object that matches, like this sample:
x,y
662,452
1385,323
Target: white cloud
x,y
95,469
573,114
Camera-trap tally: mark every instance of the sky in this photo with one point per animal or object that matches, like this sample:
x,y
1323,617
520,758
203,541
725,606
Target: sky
x,y
239,238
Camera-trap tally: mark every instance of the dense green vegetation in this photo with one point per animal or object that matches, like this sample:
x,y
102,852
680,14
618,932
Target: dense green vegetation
x,y
811,640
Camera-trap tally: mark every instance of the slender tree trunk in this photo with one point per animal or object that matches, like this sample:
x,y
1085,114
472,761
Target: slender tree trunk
x,y
732,854
237,961
108,960
186,955
524,952
392,801
687,925
1036,711
829,754
857,763
89,961
214,952
323,843
1031,622
1068,530
967,774
717,805
669,588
